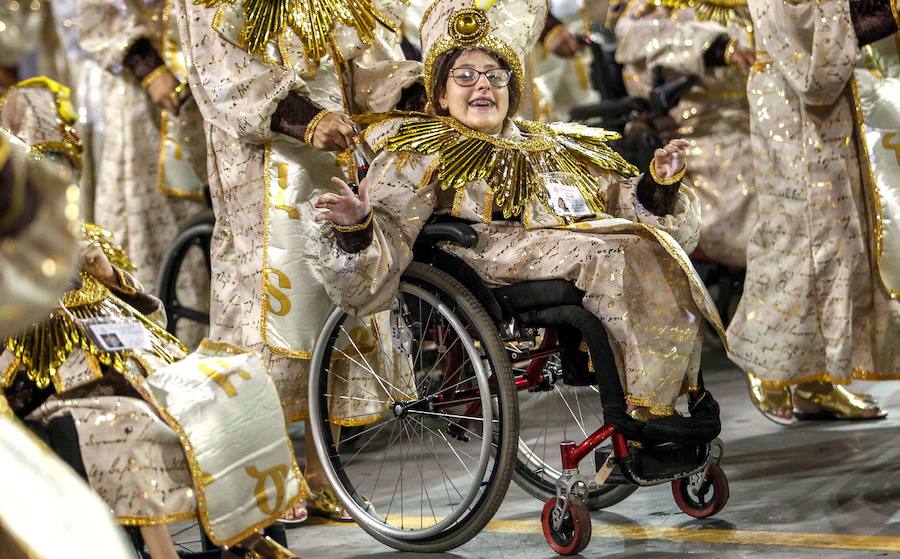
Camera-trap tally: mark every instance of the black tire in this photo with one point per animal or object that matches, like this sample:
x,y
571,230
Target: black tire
x,y
195,233
489,487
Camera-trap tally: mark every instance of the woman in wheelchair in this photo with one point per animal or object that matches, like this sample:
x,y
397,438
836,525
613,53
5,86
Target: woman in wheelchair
x,y
620,238
115,395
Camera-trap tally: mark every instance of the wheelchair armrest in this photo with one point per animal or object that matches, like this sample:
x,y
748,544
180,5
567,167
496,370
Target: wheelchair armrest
x,y
457,232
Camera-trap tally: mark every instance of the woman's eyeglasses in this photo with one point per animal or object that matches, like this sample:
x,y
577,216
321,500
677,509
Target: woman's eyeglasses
x,y
467,77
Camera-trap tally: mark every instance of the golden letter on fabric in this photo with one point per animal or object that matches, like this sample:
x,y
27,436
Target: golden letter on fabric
x,y
278,475
282,188
284,282
223,379
887,143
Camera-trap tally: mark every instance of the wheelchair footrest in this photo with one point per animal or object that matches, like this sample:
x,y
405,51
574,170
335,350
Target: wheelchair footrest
x,y
663,463
616,476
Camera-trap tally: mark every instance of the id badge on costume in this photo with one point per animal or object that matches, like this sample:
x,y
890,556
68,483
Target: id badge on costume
x,y
565,198
117,334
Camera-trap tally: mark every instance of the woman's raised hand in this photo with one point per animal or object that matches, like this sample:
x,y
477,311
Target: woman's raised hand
x,y
345,208
669,159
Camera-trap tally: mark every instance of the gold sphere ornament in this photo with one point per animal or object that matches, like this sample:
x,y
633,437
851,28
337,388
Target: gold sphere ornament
x,y
468,25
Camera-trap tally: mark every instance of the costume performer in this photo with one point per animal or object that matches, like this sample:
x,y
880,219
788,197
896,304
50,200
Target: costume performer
x,y
819,307
152,174
148,419
712,40
622,243
275,82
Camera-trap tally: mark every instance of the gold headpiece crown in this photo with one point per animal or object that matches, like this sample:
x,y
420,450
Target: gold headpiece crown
x,y
507,28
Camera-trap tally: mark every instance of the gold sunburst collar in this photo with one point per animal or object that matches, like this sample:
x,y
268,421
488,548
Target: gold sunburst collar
x,y
42,349
723,12
312,21
511,167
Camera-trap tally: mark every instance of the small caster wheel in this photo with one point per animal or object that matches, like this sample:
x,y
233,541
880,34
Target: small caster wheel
x,y
703,499
574,531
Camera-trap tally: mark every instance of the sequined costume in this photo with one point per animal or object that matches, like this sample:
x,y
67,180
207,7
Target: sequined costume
x,y
140,409
628,260
674,39
814,308
134,196
262,90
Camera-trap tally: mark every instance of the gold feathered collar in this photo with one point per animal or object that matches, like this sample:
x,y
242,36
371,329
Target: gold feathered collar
x,y
312,21
511,165
43,348
724,12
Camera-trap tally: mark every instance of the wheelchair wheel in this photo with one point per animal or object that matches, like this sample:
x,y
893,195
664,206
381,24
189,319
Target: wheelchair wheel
x,y
429,470
195,235
546,418
702,498
574,532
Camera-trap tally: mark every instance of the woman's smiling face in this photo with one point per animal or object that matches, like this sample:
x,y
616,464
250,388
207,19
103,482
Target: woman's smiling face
x,y
481,106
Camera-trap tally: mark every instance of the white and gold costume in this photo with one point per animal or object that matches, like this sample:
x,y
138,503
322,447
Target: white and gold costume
x,y
674,36
629,262
819,302
262,182
151,174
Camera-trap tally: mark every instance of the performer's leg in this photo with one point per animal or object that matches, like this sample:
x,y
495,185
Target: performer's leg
x,y
158,541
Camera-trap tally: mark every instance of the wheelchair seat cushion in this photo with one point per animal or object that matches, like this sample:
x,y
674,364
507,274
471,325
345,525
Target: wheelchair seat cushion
x,y
539,294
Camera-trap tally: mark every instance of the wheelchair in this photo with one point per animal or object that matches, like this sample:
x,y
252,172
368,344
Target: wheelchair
x,y
431,472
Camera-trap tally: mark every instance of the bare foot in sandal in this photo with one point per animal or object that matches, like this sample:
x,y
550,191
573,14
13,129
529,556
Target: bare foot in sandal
x,y
295,515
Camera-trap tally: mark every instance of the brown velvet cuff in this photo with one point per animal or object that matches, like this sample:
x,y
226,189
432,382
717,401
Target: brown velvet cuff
x,y
20,198
354,239
125,290
659,199
872,20
142,58
293,114
714,57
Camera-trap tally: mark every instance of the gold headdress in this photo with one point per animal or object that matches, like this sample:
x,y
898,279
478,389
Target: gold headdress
x,y
509,28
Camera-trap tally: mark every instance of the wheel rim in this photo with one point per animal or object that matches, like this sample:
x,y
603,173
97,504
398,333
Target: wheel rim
x,y
420,420
699,494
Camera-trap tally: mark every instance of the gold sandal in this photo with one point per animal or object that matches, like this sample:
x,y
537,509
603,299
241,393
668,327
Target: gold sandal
x,y
768,398
835,402
326,505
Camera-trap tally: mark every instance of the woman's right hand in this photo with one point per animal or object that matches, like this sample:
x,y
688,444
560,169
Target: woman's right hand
x,y
345,208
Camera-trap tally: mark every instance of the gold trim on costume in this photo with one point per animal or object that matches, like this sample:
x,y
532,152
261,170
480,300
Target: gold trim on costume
x,y
872,186
70,145
264,297
354,228
666,181
510,167
311,127
312,21
153,75
153,520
